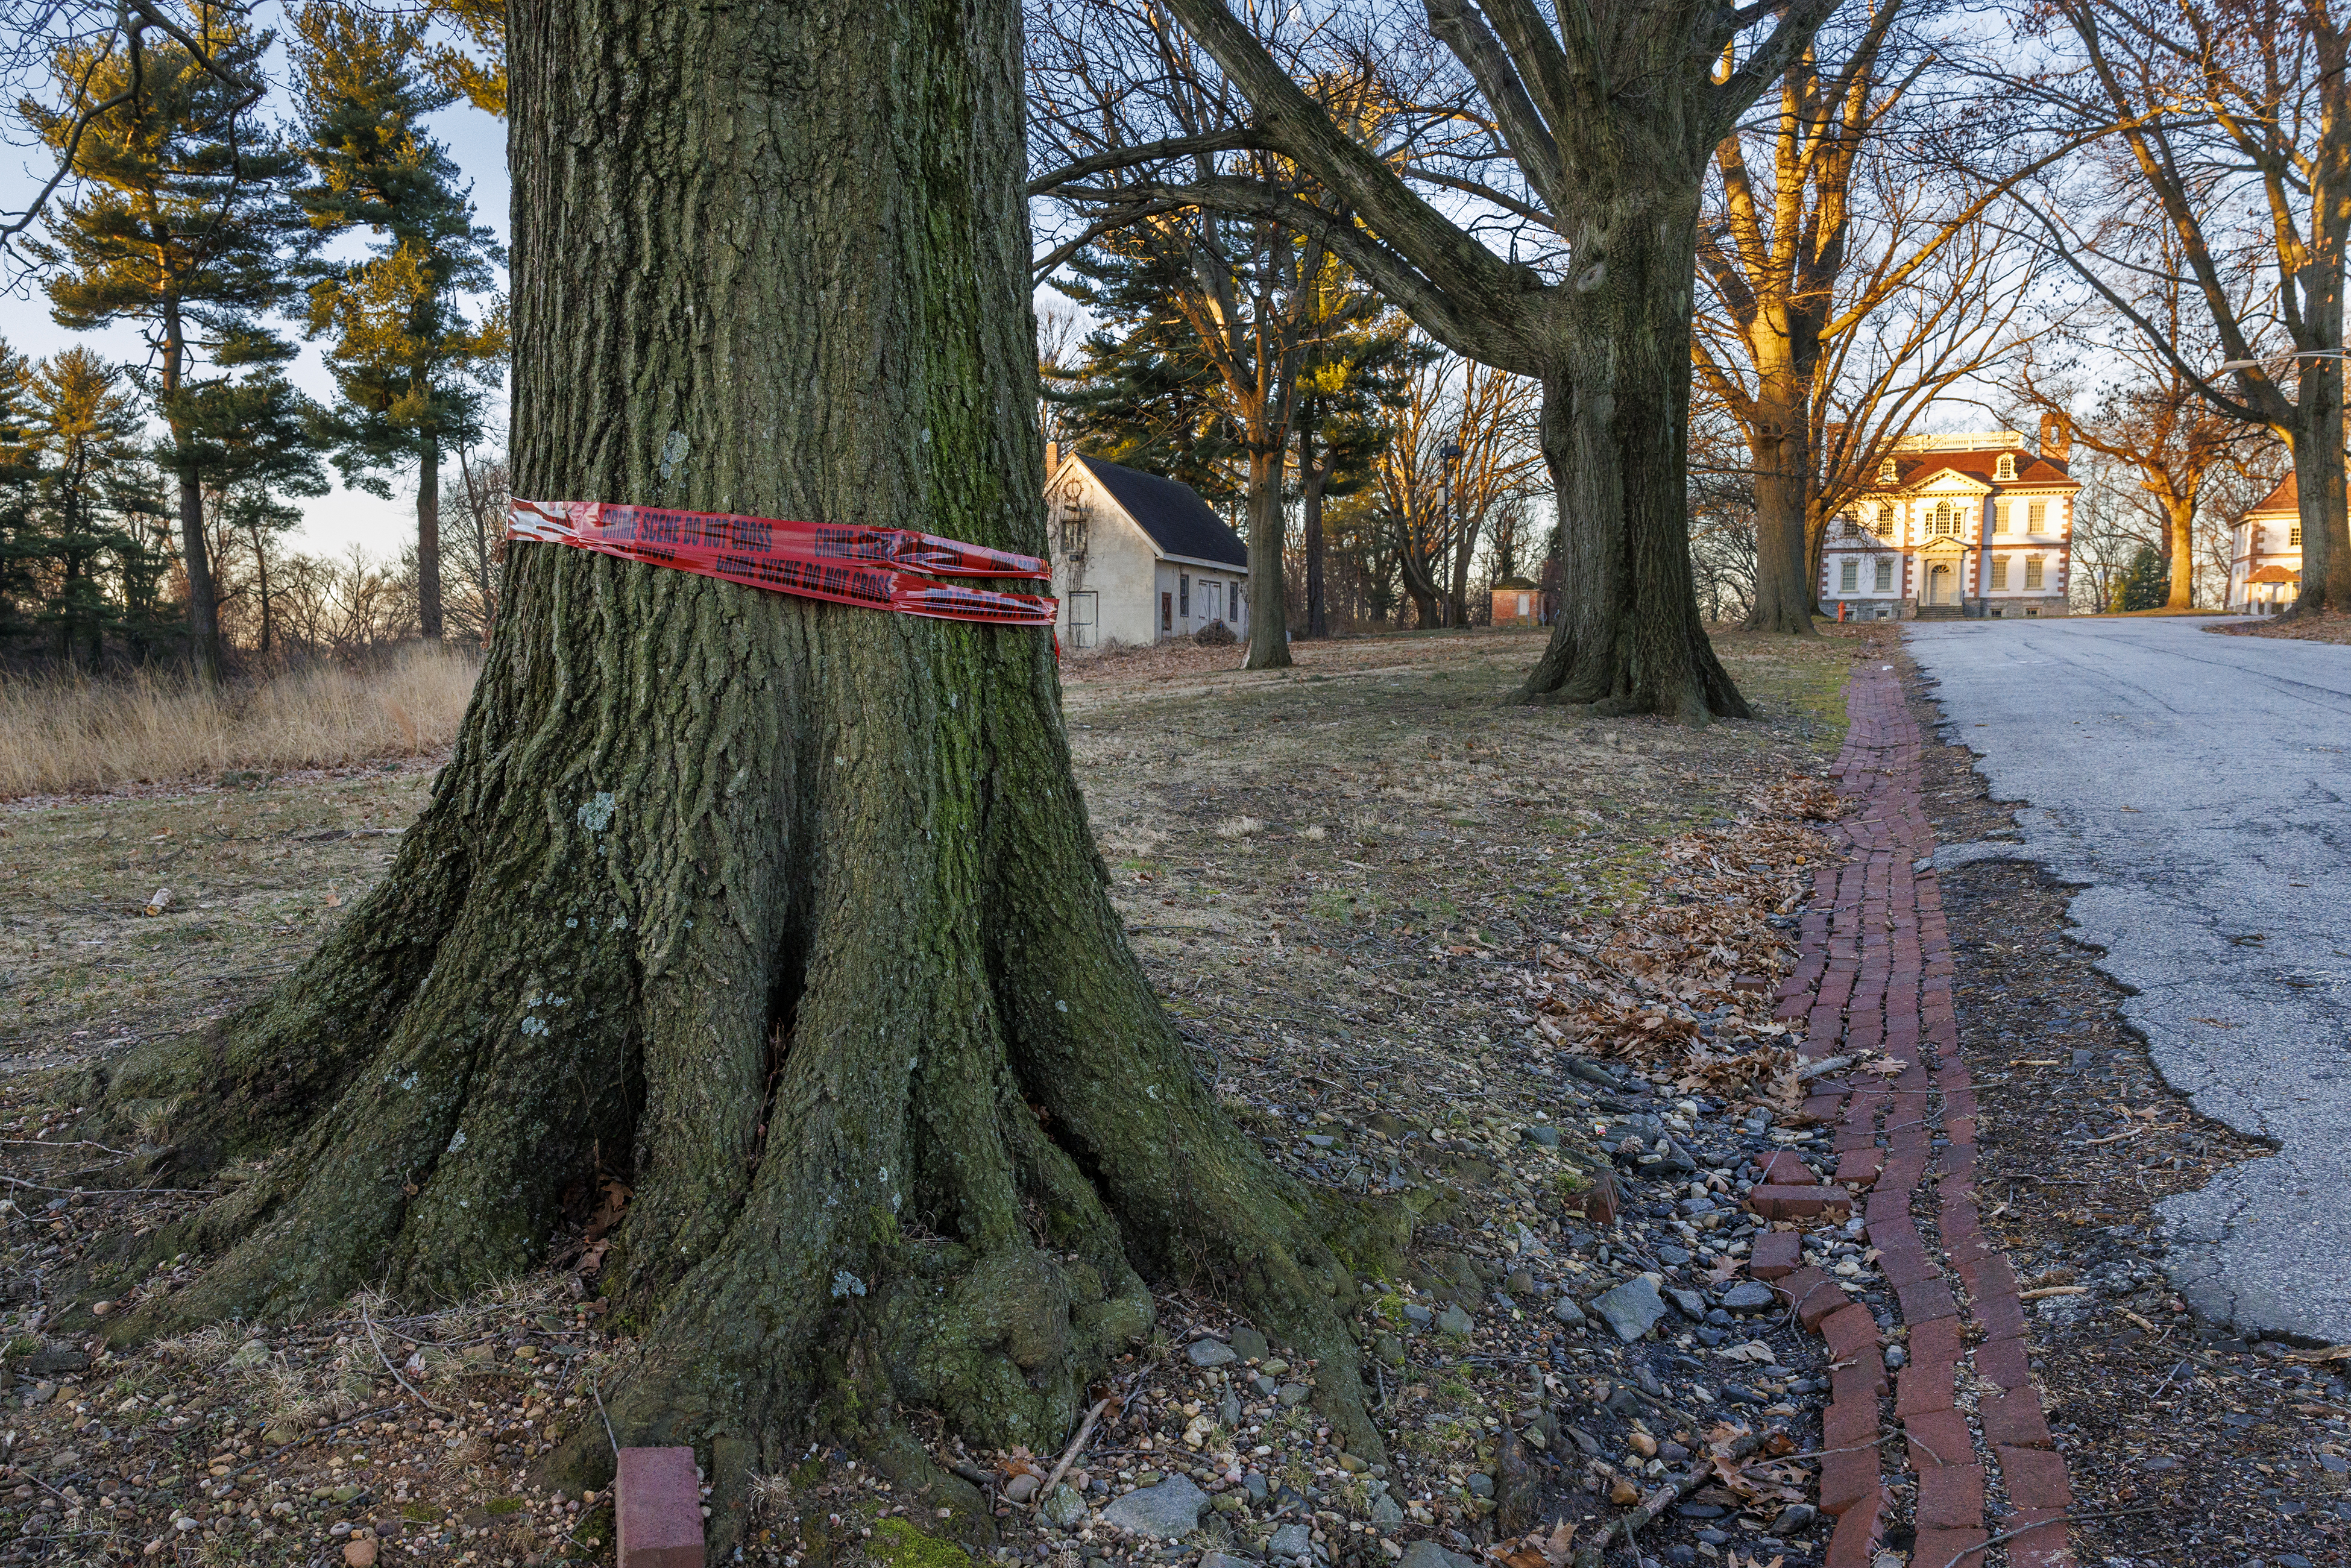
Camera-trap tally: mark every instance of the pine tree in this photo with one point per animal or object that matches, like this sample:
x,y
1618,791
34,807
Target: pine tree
x,y
86,427
1354,379
20,467
182,225
2146,586
257,443
1142,394
411,369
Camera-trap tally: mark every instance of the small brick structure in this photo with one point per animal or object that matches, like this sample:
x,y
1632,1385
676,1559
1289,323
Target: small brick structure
x,y
657,1497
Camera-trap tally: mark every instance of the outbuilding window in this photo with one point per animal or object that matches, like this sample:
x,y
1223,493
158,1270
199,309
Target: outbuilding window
x,y
1184,595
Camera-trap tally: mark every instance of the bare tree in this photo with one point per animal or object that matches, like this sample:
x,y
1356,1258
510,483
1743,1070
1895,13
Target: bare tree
x,y
1820,225
1465,443
1591,139
2226,176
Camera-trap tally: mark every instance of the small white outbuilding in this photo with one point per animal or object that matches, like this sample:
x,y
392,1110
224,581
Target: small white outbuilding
x,y
1138,559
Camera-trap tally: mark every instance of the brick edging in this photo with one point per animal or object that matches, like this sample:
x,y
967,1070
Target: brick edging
x,y
1874,975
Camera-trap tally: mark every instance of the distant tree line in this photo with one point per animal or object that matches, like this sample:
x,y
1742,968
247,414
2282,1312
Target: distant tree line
x,y
145,506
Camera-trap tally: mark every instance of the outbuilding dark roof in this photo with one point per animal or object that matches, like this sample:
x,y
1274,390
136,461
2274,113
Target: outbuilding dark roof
x,y
1172,513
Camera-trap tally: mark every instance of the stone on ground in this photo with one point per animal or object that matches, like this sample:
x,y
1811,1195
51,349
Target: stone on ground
x,y
1170,1509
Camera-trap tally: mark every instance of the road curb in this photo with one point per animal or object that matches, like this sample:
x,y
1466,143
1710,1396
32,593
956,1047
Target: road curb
x,y
1958,1450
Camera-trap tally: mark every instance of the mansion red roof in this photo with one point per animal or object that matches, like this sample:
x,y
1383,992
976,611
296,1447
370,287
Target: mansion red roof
x,y
2274,574
1916,468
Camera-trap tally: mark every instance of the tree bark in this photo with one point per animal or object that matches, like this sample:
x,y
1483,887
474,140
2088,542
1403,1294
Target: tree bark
x,y
2315,439
204,604
1311,475
1615,429
787,912
428,537
2180,551
1269,627
1784,463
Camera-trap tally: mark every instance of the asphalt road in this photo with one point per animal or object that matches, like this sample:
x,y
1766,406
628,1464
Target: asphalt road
x,y
2196,784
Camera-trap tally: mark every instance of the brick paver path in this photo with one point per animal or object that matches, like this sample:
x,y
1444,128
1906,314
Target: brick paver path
x,y
1875,976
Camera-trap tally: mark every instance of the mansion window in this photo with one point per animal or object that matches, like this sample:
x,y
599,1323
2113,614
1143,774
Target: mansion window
x,y
1885,576
1999,572
2005,469
2037,515
1946,521
2003,517
1886,472
1886,519
2032,572
1849,577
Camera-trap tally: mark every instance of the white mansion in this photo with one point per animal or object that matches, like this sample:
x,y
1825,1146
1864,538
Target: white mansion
x,y
1977,524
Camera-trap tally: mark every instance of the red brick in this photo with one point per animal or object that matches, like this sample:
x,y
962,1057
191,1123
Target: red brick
x,y
2044,1542
1923,1388
1847,1478
1926,1299
1956,1547
1989,1275
1821,1108
1951,1496
1801,1202
1859,1167
659,1502
1938,1439
1852,1334
1851,1423
1858,1381
1860,1530
1935,1343
1776,1255
2002,1317
1905,1265
2014,1418
2035,1479
1889,1203
1785,1167
2004,1363
1812,1293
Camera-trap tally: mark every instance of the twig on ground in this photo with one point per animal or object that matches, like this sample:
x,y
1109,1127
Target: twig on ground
x,y
1085,1430
380,1356
2041,1523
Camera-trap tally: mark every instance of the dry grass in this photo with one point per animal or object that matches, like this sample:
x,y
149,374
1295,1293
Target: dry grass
x,y
69,734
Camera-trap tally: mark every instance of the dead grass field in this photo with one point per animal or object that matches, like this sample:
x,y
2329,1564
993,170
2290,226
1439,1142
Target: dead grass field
x,y
69,734
1337,876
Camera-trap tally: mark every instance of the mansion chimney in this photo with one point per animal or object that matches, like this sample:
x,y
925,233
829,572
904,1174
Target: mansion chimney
x,y
2056,435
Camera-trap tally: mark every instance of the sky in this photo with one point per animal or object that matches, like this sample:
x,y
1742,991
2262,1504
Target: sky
x,y
333,523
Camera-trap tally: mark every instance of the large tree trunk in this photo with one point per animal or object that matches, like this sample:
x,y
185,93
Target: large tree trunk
x,y
428,537
1311,475
2179,550
1783,465
788,912
1615,429
1269,627
2315,436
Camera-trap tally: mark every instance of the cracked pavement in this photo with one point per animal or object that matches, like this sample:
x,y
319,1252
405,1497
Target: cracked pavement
x,y
2195,785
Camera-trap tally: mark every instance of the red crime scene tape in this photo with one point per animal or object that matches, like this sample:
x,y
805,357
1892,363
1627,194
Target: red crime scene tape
x,y
877,568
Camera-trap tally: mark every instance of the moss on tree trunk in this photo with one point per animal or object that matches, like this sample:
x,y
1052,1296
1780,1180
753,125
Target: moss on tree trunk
x,y
788,912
